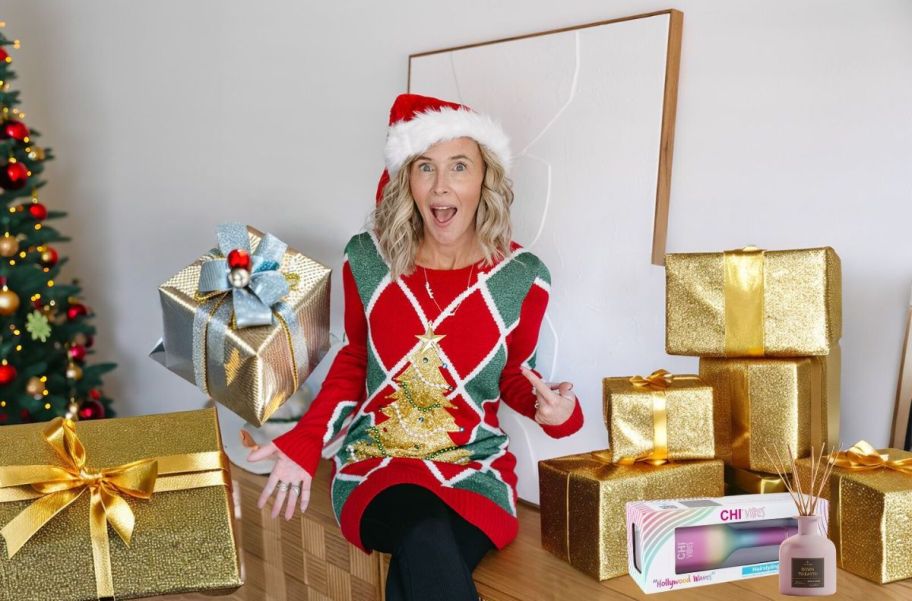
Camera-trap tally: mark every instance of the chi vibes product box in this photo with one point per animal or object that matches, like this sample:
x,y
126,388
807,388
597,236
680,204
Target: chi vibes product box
x,y
676,544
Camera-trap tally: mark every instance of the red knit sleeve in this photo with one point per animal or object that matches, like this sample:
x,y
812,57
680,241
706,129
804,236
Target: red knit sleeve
x,y
515,389
343,389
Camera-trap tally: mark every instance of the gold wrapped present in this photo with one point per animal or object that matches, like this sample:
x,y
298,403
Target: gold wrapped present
x,y
659,417
584,497
161,482
762,404
753,303
870,493
246,327
747,482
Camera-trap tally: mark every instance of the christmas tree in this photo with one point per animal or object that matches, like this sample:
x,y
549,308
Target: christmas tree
x,y
418,423
45,335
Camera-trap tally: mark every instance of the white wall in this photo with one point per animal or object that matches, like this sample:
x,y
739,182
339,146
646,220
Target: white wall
x,y
169,117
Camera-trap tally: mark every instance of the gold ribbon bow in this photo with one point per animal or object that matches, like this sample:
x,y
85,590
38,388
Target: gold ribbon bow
x,y
863,456
55,487
657,382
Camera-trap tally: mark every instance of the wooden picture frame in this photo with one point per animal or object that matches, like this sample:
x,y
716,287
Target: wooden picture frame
x,y
902,415
669,110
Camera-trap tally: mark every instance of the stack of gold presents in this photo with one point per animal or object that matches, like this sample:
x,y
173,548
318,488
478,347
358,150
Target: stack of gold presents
x,y
766,326
661,435
246,322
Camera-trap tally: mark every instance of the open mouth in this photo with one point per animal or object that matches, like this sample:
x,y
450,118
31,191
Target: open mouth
x,y
443,214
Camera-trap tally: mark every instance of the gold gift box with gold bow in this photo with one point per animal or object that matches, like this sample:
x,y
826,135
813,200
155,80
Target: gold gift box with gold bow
x,y
583,503
764,404
752,303
870,494
661,416
250,370
162,484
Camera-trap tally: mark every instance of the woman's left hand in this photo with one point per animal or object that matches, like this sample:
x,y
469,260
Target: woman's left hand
x,y
554,403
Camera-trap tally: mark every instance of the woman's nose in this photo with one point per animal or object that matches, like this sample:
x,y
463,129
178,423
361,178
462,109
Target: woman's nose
x,y
441,185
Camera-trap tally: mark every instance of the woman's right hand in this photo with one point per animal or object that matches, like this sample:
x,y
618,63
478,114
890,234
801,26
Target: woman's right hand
x,y
291,480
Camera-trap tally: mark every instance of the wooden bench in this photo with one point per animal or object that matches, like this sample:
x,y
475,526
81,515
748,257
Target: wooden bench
x,y
306,559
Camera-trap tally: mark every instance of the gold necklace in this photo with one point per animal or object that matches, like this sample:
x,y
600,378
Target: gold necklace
x,y
427,286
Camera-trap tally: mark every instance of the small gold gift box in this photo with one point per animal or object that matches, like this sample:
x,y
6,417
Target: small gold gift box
x,y
870,494
762,405
753,303
584,497
659,417
246,346
748,482
161,482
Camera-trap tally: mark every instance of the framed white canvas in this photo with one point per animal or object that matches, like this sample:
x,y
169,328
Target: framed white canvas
x,y
590,112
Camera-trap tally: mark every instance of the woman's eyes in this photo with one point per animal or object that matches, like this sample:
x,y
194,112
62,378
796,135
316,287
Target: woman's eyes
x,y
428,168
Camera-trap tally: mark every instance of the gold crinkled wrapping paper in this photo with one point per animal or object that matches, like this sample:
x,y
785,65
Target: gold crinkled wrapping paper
x,y
628,411
762,404
749,482
184,540
870,519
584,497
801,304
258,360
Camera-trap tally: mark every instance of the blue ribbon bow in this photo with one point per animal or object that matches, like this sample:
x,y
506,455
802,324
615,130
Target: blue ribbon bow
x,y
253,304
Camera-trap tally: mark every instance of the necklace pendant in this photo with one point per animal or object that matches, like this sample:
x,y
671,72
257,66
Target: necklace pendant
x,y
427,286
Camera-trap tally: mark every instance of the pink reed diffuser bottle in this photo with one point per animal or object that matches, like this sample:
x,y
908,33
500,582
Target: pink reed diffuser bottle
x,y
807,560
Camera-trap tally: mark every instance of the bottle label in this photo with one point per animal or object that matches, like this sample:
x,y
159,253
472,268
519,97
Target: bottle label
x,y
807,572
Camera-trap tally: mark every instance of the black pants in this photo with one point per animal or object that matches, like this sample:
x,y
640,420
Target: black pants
x,y
434,549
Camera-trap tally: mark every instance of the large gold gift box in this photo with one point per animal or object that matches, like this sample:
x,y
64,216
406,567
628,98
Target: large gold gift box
x,y
584,497
659,417
752,303
769,404
183,536
250,370
870,511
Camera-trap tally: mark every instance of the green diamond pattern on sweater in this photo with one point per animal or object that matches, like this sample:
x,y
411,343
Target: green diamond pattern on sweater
x,y
366,264
510,285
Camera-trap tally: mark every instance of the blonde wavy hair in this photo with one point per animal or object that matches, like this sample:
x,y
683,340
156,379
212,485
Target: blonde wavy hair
x,y
399,227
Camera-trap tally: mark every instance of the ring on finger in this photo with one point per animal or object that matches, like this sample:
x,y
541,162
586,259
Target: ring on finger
x,y
295,489
537,404
283,486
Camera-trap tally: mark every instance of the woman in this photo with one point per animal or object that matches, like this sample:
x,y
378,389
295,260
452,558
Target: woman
x,y
442,315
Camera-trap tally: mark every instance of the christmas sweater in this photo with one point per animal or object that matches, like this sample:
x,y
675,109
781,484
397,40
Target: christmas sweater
x,y
427,360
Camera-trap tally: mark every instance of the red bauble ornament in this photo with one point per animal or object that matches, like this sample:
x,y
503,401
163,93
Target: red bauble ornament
x,y
91,409
95,394
7,374
4,55
49,257
76,310
37,303
77,352
38,211
13,176
239,259
15,130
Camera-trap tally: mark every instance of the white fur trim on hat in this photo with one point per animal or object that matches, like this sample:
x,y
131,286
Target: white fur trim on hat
x,y
408,138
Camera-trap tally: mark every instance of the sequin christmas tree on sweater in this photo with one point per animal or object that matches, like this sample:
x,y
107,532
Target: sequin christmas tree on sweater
x,y
419,382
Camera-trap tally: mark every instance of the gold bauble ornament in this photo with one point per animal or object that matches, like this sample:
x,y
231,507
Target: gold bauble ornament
x,y
36,153
35,387
74,372
9,246
72,411
9,302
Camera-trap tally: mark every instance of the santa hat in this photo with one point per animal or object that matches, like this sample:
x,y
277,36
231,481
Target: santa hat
x,y
418,122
